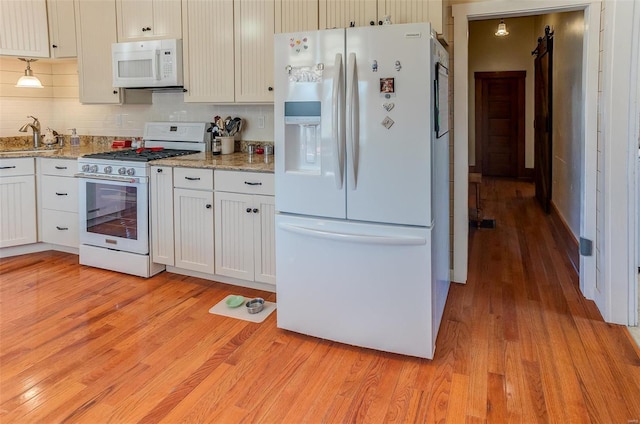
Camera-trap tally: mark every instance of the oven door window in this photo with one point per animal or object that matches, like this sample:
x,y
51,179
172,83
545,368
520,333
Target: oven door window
x,y
112,210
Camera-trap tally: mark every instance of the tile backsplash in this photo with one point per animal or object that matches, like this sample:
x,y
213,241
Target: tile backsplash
x,y
127,120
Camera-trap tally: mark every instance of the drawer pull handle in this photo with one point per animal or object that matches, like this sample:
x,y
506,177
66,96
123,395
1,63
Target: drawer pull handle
x,y
62,228
252,183
7,167
61,194
192,178
61,167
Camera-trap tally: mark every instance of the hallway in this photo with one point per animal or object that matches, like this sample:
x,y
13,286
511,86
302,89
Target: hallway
x,y
543,337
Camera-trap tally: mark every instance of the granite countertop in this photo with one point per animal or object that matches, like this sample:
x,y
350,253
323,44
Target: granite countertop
x,y
238,161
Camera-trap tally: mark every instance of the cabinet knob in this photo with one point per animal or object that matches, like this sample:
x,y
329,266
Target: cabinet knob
x,y
270,88
115,91
379,22
208,206
55,46
159,170
248,210
372,23
255,210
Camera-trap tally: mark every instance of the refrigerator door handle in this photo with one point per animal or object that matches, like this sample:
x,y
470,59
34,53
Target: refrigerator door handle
x,y
355,238
352,119
338,136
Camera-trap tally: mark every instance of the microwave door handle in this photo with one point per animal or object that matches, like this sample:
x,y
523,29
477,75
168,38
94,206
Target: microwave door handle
x,y
158,65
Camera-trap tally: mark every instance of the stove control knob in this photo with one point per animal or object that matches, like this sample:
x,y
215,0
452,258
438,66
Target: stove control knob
x,y
131,171
93,168
85,168
122,170
108,170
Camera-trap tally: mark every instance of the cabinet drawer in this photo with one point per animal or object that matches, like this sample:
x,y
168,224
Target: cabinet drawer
x,y
193,178
59,193
61,167
16,166
245,182
60,228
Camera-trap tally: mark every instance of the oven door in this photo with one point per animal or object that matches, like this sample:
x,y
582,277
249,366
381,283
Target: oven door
x,y
114,213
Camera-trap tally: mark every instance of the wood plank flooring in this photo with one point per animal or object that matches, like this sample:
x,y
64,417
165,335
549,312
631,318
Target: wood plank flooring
x,y
518,343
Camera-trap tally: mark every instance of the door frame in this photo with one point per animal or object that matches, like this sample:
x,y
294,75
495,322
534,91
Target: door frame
x,y
463,13
521,171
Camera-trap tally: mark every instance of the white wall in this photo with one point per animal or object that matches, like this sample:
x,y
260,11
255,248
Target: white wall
x,y
488,53
57,106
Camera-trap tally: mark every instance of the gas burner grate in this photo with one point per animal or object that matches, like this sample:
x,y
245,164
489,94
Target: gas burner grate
x,y
137,155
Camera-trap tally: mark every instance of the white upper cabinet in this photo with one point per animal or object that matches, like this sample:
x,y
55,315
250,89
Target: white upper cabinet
x,y
96,29
345,13
228,51
62,28
207,48
254,28
141,19
296,15
23,28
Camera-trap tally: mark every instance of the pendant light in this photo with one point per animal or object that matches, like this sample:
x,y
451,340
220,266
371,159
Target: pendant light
x,y
28,80
502,29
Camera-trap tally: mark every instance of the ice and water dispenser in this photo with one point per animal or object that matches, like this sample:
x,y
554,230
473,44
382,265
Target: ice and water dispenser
x,y
302,136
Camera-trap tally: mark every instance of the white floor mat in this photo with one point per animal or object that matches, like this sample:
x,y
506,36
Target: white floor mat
x,y
240,312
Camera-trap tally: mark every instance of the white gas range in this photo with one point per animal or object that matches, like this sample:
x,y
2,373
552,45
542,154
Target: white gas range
x,y
114,197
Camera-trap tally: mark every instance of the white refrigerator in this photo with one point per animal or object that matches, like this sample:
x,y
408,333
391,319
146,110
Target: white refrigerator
x,y
362,185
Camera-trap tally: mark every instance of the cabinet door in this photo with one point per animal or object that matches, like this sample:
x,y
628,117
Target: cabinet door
x,y
23,28
193,213
412,11
296,15
404,11
254,28
140,19
161,198
264,240
18,218
167,19
234,235
208,51
62,28
341,13
134,17
96,29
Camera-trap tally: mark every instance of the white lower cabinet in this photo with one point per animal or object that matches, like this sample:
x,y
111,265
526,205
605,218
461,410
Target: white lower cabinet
x,y
193,219
245,226
58,194
18,224
229,232
161,198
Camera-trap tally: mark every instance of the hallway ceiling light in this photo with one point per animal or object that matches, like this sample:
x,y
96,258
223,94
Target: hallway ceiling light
x,y
28,80
502,29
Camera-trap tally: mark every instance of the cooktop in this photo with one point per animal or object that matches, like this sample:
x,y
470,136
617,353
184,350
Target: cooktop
x,y
140,155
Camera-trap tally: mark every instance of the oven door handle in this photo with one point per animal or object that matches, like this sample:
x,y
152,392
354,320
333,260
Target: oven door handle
x,y
108,178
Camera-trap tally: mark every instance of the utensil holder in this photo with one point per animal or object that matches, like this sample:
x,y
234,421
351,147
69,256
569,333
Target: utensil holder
x,y
228,145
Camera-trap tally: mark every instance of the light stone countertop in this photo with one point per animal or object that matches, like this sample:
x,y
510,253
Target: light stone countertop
x,y
236,161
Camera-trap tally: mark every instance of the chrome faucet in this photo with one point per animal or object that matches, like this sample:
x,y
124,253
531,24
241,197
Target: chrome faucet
x,y
35,126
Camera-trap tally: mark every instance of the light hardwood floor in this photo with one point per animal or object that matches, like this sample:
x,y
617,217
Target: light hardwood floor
x,y
518,343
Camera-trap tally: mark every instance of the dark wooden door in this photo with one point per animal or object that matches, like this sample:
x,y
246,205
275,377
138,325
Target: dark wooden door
x,y
500,123
543,143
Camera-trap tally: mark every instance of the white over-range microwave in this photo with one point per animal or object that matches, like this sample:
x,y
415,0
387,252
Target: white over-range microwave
x,y
149,63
